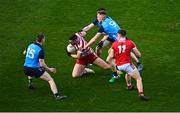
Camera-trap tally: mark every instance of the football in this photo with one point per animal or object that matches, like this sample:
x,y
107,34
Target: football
x,y
71,49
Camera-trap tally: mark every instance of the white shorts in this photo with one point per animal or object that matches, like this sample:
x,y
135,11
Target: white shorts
x,y
128,68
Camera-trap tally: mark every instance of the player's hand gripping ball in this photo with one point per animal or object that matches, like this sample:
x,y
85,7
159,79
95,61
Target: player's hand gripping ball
x,y
71,49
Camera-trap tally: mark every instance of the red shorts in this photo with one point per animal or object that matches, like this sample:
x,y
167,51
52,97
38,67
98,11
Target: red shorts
x,y
86,60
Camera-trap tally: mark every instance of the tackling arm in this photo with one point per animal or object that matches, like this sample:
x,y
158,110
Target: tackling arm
x,y
87,28
100,44
93,40
105,38
83,33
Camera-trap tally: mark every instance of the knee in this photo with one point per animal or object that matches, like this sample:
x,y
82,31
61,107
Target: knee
x,y
139,78
74,75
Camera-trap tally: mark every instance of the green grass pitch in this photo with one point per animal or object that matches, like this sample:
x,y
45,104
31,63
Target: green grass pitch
x,y
154,25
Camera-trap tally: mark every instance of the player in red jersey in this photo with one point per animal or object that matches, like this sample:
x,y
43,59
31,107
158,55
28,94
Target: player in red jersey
x,y
121,50
85,57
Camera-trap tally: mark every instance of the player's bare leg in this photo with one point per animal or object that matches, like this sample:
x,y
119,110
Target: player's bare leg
x,y
136,75
30,82
101,63
128,82
78,70
139,65
113,67
52,84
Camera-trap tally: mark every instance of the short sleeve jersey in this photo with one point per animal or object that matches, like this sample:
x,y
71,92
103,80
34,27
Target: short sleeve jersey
x,y
109,27
122,51
34,52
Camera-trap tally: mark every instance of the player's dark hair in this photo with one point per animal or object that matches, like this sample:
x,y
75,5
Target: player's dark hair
x,y
122,32
40,37
101,11
80,30
73,37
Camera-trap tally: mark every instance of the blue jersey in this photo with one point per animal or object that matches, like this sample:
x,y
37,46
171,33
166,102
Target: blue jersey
x,y
34,52
109,27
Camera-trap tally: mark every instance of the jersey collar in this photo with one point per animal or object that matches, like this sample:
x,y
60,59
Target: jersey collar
x,y
38,44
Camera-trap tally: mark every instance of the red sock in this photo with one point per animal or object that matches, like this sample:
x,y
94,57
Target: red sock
x,y
141,93
129,85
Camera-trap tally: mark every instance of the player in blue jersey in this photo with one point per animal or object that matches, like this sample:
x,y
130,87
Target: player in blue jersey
x,y
109,29
35,65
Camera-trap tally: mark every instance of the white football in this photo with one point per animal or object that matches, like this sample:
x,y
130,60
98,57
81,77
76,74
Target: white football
x,y
71,49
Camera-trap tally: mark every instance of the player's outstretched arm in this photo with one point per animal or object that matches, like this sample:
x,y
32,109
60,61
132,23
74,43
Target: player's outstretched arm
x,y
87,28
83,33
104,38
43,64
137,52
93,40
101,43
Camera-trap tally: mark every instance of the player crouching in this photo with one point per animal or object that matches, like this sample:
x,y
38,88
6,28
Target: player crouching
x,y
84,57
121,50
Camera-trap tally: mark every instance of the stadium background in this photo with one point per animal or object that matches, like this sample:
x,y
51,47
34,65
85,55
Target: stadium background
x,y
154,25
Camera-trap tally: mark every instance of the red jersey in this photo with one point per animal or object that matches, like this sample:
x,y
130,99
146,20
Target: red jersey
x,y
122,50
82,44
89,56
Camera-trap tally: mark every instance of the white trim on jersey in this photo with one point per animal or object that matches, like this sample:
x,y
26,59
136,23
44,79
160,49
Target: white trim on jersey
x,y
82,44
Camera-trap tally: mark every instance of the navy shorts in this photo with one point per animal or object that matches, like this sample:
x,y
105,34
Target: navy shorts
x,y
111,40
36,72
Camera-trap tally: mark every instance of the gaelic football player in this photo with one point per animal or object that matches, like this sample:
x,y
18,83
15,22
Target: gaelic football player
x,y
85,57
109,29
121,50
35,66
